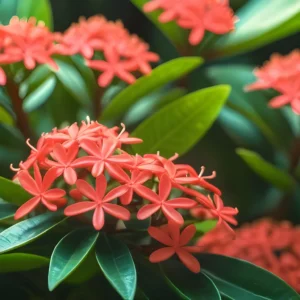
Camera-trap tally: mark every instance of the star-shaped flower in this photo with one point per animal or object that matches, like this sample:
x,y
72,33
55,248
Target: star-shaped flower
x,y
176,244
39,188
98,201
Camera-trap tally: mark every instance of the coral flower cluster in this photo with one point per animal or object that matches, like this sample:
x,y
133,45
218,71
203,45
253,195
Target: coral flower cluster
x,y
196,15
117,53
101,178
272,245
281,73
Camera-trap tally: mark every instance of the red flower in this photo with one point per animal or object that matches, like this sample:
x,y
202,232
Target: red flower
x,y
129,185
161,201
39,188
99,202
212,15
176,244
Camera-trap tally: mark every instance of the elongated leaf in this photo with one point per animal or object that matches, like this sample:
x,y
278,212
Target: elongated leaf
x,y
160,76
40,9
206,225
242,280
179,125
73,82
16,262
187,284
12,192
40,95
267,171
7,210
169,97
27,231
251,32
115,260
68,254
171,30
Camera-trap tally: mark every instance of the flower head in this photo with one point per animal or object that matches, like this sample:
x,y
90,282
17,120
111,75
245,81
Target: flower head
x,y
176,243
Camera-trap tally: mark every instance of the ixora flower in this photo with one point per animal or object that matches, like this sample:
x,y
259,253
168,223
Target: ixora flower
x,y
88,161
281,73
197,15
122,54
272,245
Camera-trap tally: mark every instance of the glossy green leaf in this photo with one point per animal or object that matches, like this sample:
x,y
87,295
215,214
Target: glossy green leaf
x,y
171,30
169,97
251,32
206,225
266,170
242,280
40,9
8,9
160,76
137,225
73,82
16,262
7,210
187,284
12,192
40,95
179,125
115,261
28,230
5,117
68,254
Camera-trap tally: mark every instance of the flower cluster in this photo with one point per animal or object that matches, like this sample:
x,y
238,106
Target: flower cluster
x,y
25,41
281,73
119,54
272,245
213,15
105,179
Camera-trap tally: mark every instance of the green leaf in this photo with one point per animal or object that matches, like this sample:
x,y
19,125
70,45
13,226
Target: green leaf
x,y
160,76
187,284
179,125
266,170
40,9
240,279
16,262
7,210
206,225
5,117
8,9
251,32
171,30
27,231
12,192
169,97
68,254
40,95
138,225
73,82
115,261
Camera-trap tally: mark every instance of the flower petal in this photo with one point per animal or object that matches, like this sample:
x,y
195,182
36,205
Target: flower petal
x,y
160,235
79,208
86,189
147,210
188,260
60,154
187,234
164,188
115,193
98,218
54,194
127,197
27,207
37,175
70,176
49,205
90,147
161,254
172,214
146,193
98,168
108,147
117,211
28,183
181,203
117,172
49,177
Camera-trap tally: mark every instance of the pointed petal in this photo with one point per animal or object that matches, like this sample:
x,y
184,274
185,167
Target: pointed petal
x,y
50,177
187,234
108,147
117,172
127,197
161,254
170,168
72,152
86,189
160,235
140,177
106,78
54,194
147,211
117,211
90,147
115,193
188,260
84,162
181,203
172,214
165,186
98,218
101,185
76,195
79,208
174,232
49,205
37,175
279,101
60,154
98,168
70,176
28,183
146,193
196,35
27,207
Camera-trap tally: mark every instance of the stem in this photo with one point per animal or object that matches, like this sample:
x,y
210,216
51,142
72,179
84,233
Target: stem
x,y
97,102
22,119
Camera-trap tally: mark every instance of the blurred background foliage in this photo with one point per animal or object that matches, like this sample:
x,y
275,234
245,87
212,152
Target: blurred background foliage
x,y
245,122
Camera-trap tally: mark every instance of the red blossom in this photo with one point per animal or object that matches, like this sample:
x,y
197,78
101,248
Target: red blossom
x,y
176,244
100,203
40,188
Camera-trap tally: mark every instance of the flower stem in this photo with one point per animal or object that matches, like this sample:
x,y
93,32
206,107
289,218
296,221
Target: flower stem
x,y
22,118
